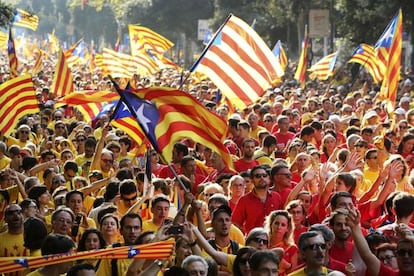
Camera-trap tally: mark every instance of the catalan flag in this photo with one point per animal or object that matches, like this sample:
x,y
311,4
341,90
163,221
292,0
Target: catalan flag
x,y
150,251
167,116
366,55
17,98
142,39
25,19
11,50
389,48
324,68
62,79
300,74
239,63
53,43
38,66
280,54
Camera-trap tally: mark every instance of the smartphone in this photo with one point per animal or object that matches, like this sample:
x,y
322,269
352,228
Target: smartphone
x,y
175,230
75,227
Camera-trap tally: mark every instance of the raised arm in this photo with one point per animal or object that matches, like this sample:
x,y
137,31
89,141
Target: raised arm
x,y
370,260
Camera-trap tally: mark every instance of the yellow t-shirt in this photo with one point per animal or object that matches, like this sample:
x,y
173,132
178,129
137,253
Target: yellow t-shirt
x,y
148,225
4,162
301,272
11,245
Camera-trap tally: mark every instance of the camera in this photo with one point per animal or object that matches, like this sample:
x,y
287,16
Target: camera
x,y
175,230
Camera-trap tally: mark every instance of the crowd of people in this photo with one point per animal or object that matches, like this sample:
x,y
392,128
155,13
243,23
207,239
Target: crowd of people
x,y
321,183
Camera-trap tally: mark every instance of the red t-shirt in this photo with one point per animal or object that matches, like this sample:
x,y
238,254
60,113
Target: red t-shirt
x,y
342,255
250,211
387,271
241,165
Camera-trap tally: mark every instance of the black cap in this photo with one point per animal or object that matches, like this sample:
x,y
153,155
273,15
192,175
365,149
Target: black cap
x,y
220,209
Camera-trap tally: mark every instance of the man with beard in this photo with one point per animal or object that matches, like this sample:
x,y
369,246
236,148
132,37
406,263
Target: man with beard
x,y
252,208
342,248
312,249
221,223
405,248
131,227
11,244
247,161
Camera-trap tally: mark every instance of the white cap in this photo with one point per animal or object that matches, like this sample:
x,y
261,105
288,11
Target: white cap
x,y
235,116
405,100
279,98
400,111
370,114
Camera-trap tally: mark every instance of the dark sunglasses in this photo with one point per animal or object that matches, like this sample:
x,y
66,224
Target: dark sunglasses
x,y
316,246
24,132
260,240
260,175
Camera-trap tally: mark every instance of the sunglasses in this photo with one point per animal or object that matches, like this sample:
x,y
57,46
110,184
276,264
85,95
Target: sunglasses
x,y
129,199
316,246
24,132
260,240
260,175
403,252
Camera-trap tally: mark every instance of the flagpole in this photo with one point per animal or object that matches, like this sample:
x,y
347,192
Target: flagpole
x,y
205,51
142,127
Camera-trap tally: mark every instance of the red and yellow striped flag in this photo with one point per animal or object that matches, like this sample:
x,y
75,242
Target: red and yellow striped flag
x,y
142,39
391,43
17,98
38,66
26,20
300,74
62,79
151,251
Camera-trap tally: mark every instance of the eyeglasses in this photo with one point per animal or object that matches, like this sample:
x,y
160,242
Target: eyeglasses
x,y
316,246
260,240
386,258
24,132
108,161
260,175
60,181
288,175
403,252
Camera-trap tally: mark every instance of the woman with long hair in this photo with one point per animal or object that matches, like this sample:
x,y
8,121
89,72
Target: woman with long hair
x,y
328,147
91,239
280,228
405,149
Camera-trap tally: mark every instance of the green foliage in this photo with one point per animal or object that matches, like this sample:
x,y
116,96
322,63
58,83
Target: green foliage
x,y
6,14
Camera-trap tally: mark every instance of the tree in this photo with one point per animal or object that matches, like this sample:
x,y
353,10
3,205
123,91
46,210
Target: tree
x,y
6,14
